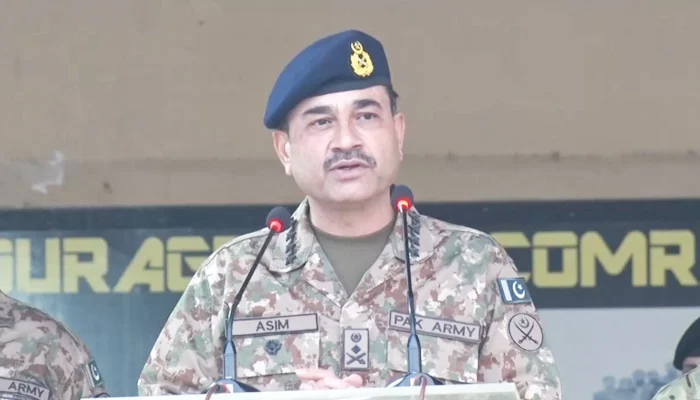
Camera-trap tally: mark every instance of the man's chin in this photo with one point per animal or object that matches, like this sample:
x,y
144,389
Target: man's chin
x,y
350,199
351,194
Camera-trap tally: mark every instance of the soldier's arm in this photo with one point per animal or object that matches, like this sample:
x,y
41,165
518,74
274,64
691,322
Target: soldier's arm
x,y
514,347
186,355
86,381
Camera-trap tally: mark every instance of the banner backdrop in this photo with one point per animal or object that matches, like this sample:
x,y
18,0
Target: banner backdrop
x,y
616,281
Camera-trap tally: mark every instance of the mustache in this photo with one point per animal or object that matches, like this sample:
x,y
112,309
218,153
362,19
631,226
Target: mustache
x,y
345,155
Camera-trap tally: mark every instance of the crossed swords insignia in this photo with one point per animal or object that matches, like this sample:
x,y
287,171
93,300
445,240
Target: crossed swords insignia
x,y
358,358
526,335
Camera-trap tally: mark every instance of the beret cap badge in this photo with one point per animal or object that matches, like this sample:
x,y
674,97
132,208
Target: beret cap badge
x,y
360,60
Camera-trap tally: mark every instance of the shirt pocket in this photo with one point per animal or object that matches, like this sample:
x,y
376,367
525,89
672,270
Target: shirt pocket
x,y
452,361
268,362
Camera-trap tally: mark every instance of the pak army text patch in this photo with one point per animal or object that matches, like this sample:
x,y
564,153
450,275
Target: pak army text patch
x,y
514,291
443,328
22,390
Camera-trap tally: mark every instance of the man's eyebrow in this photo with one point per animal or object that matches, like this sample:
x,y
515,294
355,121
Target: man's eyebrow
x,y
362,103
357,104
317,110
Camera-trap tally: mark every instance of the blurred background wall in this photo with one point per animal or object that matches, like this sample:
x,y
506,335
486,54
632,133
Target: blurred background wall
x,y
161,102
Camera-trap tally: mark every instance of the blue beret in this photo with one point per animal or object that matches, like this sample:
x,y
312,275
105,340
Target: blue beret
x,y
348,60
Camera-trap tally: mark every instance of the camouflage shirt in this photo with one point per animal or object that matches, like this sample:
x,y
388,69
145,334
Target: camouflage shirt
x,y
40,359
476,320
685,387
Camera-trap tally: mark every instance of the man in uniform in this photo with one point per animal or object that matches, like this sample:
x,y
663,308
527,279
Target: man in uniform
x,y
40,359
328,306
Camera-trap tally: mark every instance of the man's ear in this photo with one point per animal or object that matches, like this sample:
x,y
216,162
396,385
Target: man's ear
x,y
400,129
280,140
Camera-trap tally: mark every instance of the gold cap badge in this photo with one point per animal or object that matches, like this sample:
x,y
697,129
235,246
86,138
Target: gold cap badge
x,y
360,61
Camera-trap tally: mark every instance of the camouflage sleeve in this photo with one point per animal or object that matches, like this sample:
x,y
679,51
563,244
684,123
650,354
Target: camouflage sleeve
x,y
514,347
186,355
86,381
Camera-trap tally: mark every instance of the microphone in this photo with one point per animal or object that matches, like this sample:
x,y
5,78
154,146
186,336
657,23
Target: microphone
x,y
277,220
402,201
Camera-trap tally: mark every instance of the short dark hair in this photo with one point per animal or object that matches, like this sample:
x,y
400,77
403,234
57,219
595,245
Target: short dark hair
x,y
393,104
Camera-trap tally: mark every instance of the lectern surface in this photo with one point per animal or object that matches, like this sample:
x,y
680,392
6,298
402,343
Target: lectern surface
x,y
494,391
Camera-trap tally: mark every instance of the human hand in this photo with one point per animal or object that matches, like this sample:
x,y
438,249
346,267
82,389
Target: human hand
x,y
319,379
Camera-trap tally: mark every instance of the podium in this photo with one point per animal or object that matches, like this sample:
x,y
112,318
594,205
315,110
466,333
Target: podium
x,y
483,391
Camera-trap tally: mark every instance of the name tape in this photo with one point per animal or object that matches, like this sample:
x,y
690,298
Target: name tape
x,y
24,389
275,325
436,327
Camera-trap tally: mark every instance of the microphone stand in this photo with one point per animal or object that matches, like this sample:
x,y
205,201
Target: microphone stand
x,y
415,373
229,384
277,220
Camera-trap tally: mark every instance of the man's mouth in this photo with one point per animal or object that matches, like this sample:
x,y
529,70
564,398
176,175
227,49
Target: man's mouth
x,y
348,165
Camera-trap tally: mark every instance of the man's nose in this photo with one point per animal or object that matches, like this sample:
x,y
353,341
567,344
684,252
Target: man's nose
x,y
346,137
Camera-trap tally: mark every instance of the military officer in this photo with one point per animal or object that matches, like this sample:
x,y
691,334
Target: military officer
x,y
328,306
40,359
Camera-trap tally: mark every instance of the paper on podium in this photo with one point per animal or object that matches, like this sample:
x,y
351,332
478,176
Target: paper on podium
x,y
485,391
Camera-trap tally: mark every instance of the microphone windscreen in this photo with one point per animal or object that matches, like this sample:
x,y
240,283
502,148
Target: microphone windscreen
x,y
281,215
401,193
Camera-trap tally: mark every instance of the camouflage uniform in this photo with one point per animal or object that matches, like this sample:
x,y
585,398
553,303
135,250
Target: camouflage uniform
x,y
40,359
456,283
685,387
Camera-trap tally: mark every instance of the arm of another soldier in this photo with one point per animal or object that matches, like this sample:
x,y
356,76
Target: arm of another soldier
x,y
186,355
86,381
514,347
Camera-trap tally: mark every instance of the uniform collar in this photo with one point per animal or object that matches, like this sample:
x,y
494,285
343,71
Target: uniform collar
x,y
295,245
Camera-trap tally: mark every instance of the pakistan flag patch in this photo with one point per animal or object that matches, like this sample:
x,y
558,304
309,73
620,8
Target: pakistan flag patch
x,y
94,374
